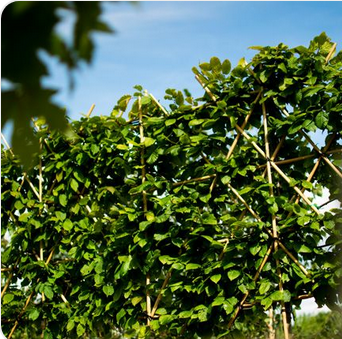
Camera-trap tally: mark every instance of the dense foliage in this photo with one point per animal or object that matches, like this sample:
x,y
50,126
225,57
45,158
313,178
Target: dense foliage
x,y
169,224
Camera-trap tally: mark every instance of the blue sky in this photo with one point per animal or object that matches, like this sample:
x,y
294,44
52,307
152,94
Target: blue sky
x,y
157,43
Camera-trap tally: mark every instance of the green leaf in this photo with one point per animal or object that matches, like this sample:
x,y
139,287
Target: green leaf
x,y
322,119
228,307
48,291
122,147
80,330
303,220
165,319
34,314
160,237
310,91
177,242
86,269
126,266
282,67
196,122
120,314
67,225
8,298
205,198
63,200
246,190
98,278
263,76
203,315
255,249
74,184
94,149
264,287
155,120
136,300
152,158
145,100
60,215
226,66
169,122
205,66
191,266
233,274
304,249
150,216
215,63
307,184
177,266
149,141
226,179
273,209
108,290
184,139
218,301
209,220
243,288
70,325
24,217
161,311
18,205
185,314
267,303
215,278
281,296
59,176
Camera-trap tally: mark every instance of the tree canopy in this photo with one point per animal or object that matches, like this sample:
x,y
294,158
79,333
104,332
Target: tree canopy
x,y
190,221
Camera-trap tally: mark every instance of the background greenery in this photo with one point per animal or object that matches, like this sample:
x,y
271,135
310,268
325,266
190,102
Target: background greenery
x,y
28,28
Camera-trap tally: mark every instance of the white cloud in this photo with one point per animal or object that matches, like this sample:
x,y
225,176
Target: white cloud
x,y
309,306
160,12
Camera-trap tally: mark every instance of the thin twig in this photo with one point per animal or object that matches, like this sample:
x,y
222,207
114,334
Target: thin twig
x,y
223,249
205,88
6,269
90,111
274,221
159,104
251,211
206,177
232,147
144,196
142,159
20,315
159,297
65,300
293,258
290,161
3,291
269,170
331,52
148,299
